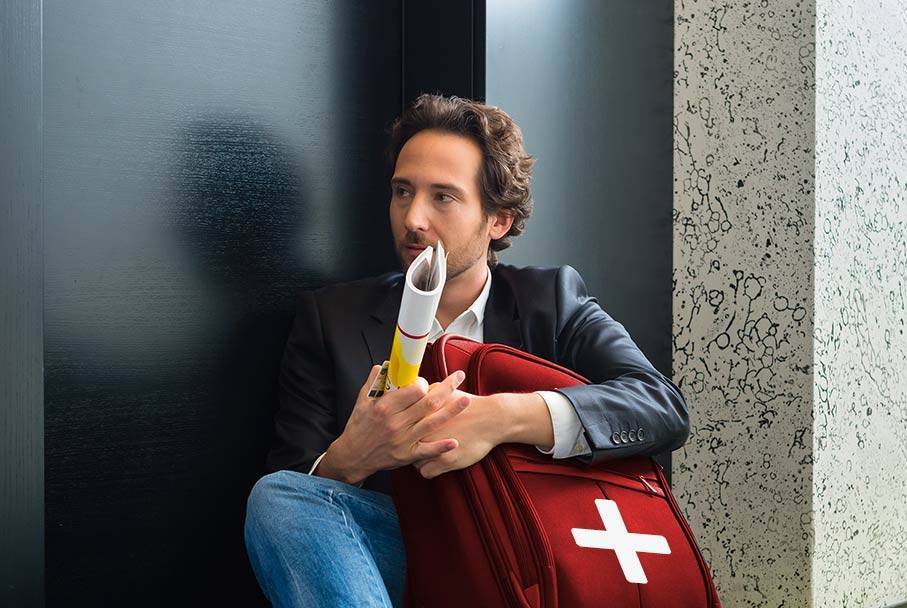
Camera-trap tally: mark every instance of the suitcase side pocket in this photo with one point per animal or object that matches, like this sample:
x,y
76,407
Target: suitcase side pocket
x,y
538,547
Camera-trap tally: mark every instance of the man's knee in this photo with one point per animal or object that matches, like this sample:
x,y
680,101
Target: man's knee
x,y
280,496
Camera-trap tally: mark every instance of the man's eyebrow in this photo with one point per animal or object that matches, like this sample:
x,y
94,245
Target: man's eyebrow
x,y
451,187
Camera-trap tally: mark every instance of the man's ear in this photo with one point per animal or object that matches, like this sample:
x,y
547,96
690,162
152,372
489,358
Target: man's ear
x,y
500,224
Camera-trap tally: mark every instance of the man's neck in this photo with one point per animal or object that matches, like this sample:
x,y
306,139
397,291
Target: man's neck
x,y
460,292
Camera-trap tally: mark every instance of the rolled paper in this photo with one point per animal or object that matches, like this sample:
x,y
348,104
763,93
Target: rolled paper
x,y
422,289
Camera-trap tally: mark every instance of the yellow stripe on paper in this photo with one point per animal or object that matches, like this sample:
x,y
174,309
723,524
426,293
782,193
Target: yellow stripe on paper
x,y
402,371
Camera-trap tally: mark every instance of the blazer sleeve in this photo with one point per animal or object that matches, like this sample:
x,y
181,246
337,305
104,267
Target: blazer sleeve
x,y
306,420
630,408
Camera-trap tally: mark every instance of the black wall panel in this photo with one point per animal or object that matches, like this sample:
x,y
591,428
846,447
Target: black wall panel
x,y
203,162
444,48
21,327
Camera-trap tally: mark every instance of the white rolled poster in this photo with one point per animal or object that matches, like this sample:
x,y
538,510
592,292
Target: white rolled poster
x,y
423,284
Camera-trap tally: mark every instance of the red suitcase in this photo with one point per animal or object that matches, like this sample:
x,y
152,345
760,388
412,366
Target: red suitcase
x,y
521,529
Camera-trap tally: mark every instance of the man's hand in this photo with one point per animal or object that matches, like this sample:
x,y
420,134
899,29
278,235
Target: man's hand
x,y
477,430
490,421
388,431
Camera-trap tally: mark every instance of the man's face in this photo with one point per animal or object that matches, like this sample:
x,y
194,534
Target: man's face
x,y
436,196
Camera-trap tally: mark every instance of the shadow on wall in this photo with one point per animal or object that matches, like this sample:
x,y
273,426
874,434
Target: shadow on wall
x,y
161,400
238,211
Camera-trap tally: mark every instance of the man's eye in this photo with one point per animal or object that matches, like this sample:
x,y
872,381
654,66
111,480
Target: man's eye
x,y
401,191
444,198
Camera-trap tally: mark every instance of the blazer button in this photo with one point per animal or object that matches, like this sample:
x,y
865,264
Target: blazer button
x,y
632,434
615,438
639,434
623,437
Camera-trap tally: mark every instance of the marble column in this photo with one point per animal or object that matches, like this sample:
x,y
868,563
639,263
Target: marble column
x,y
790,273
860,346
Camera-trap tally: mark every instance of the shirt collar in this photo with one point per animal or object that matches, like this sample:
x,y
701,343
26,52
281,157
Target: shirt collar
x,y
478,307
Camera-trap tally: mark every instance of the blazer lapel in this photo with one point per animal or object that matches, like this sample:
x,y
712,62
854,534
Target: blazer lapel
x,y
379,336
502,319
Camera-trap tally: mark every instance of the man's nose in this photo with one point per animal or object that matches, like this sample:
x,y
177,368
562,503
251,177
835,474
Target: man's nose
x,y
416,218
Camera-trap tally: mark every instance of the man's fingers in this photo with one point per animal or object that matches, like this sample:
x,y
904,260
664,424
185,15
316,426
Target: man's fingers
x,y
455,379
422,383
432,468
430,449
437,394
402,398
434,421
429,397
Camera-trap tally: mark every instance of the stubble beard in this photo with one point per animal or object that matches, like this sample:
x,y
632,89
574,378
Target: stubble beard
x,y
459,262
456,267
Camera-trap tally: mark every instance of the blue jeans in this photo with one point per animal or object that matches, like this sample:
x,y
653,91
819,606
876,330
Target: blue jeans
x,y
319,542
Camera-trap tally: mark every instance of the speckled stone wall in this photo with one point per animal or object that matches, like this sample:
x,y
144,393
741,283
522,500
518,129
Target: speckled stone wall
x,y
860,434
743,294
789,298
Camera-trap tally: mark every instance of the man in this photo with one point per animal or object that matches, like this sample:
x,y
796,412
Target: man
x,y
322,529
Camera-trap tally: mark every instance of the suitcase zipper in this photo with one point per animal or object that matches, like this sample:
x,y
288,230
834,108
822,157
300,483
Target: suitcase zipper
x,y
518,536
706,576
498,555
491,542
542,557
522,464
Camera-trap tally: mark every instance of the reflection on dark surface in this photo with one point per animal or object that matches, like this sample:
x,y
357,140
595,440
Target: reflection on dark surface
x,y
193,426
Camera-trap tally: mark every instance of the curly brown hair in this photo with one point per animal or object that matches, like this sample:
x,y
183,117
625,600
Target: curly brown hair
x,y
506,172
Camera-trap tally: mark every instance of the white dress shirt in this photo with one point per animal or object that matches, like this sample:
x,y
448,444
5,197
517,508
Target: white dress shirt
x,y
569,439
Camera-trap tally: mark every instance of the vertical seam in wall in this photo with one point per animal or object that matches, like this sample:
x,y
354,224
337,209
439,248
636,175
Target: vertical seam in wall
x,y
402,55
40,237
472,49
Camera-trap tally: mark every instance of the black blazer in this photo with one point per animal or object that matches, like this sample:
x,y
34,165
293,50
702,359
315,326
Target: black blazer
x,y
341,330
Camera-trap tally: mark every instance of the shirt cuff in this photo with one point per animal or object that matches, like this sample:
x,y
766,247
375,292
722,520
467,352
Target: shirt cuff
x,y
569,439
315,466
317,460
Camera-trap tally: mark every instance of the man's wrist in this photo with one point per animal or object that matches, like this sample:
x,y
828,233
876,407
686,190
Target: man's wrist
x,y
527,419
333,466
